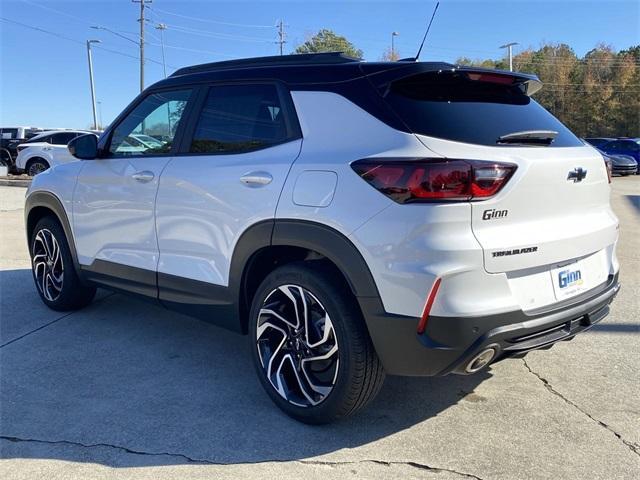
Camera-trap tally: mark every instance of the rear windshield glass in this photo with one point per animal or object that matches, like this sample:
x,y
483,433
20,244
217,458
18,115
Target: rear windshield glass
x,y
452,106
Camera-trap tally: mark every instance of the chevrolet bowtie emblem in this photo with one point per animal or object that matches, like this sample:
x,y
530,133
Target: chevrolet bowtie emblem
x,y
577,174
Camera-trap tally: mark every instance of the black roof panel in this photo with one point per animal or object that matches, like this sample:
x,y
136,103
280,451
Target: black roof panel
x,y
310,71
329,58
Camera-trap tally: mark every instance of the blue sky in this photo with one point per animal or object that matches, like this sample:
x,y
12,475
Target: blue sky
x,y
44,78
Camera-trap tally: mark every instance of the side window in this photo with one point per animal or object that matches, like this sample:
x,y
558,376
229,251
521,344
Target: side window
x,y
62,138
151,126
45,139
240,118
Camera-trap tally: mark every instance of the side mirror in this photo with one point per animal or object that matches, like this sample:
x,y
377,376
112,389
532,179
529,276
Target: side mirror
x,y
84,147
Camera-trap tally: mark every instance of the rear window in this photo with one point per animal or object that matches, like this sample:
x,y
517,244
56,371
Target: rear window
x,y
451,106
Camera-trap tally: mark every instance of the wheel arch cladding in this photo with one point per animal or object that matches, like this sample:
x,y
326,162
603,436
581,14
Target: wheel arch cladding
x,y
297,240
332,245
41,204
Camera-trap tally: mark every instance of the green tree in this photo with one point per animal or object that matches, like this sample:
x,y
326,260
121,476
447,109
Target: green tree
x,y
488,63
597,95
328,41
390,55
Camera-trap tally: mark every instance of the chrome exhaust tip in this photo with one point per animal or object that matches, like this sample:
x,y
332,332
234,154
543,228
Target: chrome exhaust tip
x,y
481,360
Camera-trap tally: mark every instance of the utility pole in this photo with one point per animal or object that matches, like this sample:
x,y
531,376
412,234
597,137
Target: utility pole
x,y
93,89
509,46
393,48
281,35
143,4
162,27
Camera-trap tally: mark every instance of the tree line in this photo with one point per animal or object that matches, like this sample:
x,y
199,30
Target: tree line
x,y
597,95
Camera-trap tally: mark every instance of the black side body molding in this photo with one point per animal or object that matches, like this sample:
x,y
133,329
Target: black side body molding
x,y
217,304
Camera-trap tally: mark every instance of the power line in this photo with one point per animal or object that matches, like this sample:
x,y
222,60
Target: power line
x,y
63,37
215,22
87,22
175,47
60,12
218,35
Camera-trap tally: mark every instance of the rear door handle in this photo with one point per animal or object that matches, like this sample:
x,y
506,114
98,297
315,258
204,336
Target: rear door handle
x,y
143,177
256,179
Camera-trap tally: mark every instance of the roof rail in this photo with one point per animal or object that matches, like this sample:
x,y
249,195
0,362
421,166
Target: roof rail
x,y
327,58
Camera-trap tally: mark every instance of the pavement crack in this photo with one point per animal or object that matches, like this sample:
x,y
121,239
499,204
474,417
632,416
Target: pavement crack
x,y
49,323
634,447
107,445
420,466
192,460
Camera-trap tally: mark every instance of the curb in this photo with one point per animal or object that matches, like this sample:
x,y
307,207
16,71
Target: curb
x,y
6,182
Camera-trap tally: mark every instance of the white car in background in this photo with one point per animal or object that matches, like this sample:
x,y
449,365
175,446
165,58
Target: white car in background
x,y
46,150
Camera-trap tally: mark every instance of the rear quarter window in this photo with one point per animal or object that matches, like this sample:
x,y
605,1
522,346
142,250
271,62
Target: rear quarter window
x,y
451,106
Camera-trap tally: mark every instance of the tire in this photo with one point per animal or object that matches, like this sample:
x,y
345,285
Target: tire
x,y
348,374
53,270
36,166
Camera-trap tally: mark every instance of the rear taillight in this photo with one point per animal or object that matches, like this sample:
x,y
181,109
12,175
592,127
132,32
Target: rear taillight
x,y
434,179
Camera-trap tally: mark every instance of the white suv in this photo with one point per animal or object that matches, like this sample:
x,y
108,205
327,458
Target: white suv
x,y
352,218
45,150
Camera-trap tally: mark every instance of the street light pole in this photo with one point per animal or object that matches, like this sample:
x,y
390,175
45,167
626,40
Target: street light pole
x,y
93,90
509,46
100,114
393,48
162,27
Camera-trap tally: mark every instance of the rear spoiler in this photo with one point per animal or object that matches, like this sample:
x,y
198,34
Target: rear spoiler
x,y
381,79
529,83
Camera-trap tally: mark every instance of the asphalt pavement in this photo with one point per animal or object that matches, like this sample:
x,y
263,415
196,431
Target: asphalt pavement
x,y
124,389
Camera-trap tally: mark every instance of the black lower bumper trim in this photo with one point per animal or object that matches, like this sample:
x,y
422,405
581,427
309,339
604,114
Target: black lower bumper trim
x,y
450,343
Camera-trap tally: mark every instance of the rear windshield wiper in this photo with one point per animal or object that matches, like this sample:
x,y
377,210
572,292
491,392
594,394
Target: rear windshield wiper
x,y
528,137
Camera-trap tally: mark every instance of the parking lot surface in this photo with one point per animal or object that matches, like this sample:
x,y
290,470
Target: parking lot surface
x,y
124,389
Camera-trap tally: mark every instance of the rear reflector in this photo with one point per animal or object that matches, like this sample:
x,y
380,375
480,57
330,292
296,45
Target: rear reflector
x,y
422,325
429,179
609,166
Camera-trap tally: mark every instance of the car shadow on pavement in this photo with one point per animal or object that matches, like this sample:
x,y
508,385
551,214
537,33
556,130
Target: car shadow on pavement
x,y
634,200
126,374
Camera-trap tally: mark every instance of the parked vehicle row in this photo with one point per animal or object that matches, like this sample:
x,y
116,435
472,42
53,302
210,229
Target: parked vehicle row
x,y
45,150
413,218
623,153
10,138
49,148
32,150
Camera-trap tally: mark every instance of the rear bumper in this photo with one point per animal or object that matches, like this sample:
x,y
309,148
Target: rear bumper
x,y
450,343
